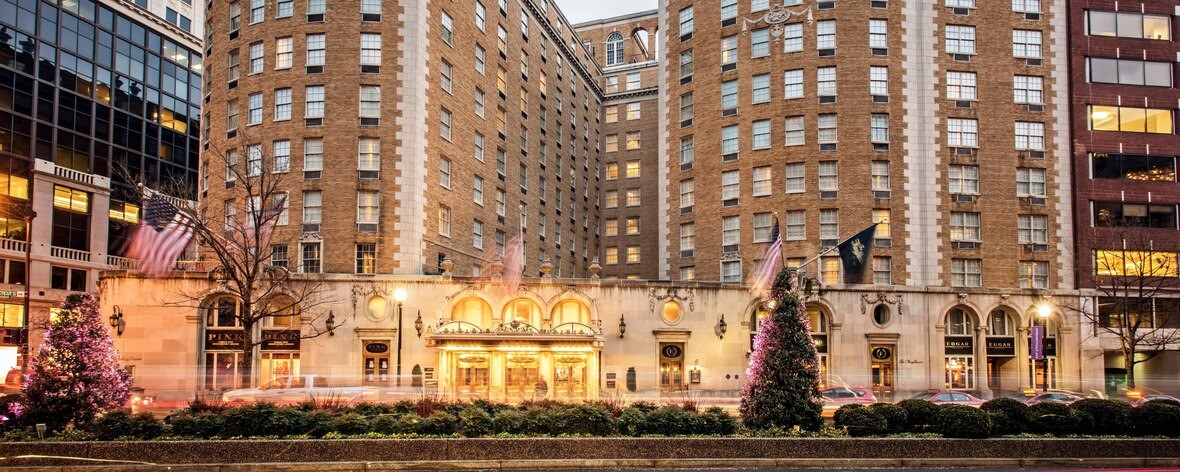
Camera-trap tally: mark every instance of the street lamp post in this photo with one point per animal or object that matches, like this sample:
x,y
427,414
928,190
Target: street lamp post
x,y
399,296
1043,312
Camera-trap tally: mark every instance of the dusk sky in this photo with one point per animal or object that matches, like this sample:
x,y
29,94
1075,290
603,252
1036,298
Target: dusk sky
x,y
578,11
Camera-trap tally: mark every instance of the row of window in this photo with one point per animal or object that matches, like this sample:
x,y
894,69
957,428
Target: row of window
x,y
964,272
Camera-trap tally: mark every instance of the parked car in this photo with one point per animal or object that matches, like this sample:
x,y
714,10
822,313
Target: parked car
x,y
950,398
294,389
846,395
1147,398
1052,397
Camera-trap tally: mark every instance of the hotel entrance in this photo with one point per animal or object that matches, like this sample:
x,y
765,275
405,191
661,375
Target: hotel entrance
x,y
671,366
882,370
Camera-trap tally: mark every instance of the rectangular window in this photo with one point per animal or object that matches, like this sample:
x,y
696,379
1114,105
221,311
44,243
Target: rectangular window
x,y
282,104
480,16
1129,25
825,35
314,101
234,62
282,156
881,218
761,181
964,226
1134,215
686,65
793,84
254,109
879,128
1030,136
256,55
730,185
688,236
763,227
960,39
313,157
632,140
477,190
612,143
825,81
962,133
879,81
1026,6
963,179
880,176
1032,229
1026,44
829,176
687,193
882,270
793,37
731,271
729,96
632,169
1133,167
444,124
796,225
612,227
371,52
761,134
366,258
316,50
368,156
686,21
283,50
1120,262
760,88
633,225
257,11
960,85
794,131
448,29
370,105
686,107
1030,182
1034,274
444,221
796,177
729,140
254,160
309,262
829,226
1130,72
686,151
367,205
1130,119
1028,89
731,230
827,128
633,81
729,46
444,173
728,9
312,207
966,272
760,42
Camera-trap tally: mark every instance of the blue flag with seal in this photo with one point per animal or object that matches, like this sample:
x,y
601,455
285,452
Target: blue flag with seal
x,y
854,254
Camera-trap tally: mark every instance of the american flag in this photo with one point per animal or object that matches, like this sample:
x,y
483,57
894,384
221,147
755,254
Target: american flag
x,y
162,235
763,275
514,261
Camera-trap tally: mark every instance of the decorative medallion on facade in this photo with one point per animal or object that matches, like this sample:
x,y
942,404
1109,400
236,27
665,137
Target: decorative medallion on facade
x,y
670,293
776,18
867,300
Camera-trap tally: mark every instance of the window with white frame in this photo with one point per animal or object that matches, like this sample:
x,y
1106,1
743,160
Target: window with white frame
x,y
966,272
686,107
759,5
1034,274
257,11
825,81
1030,182
632,225
729,139
612,114
479,102
761,181
1026,6
1028,89
478,147
253,160
612,227
686,22
444,173
370,49
481,59
316,47
763,227
793,37
314,101
960,3
881,219
632,140
882,270
729,50
1030,136
760,88
796,225
633,81
1026,44
447,72
477,234
825,34
960,85
368,154
960,39
793,84
312,207
829,176
370,101
964,226
730,185
367,207
827,128
796,177
760,42
686,64
880,176
254,109
281,156
444,221
879,81
282,104
963,179
686,150
448,29
284,47
729,9
962,132
760,131
480,16
729,95
614,49
879,128
313,155
731,230
688,236
633,111
256,58
829,224
687,193
477,190
501,202
878,34
1032,229
444,122
731,271
794,131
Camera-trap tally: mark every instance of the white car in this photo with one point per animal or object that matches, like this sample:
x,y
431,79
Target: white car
x,y
295,389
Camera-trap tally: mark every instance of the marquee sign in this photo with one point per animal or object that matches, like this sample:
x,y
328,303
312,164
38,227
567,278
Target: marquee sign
x,y
225,340
959,345
1003,346
280,340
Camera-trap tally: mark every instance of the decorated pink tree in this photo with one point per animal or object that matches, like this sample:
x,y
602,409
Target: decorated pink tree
x,y
782,381
76,373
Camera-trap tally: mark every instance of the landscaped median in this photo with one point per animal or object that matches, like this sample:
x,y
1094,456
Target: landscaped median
x,y
564,453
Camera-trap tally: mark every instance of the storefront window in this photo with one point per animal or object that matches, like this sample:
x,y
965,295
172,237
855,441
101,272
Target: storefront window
x,y
279,364
12,316
471,376
958,322
960,372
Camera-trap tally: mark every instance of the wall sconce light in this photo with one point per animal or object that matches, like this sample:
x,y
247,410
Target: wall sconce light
x,y
330,323
418,324
721,327
622,326
116,320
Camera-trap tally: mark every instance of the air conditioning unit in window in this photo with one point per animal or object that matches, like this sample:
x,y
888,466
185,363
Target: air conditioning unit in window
x,y
311,228
1032,16
728,67
1032,62
964,198
961,57
1034,200
730,249
366,227
879,4
315,18
880,99
826,5
883,242
829,195
826,52
733,156
315,69
961,11
881,194
686,254
827,99
963,103
368,174
969,245
686,166
964,151
686,210
1036,108
729,112
372,17
728,22
370,69
732,202
1031,247
1032,154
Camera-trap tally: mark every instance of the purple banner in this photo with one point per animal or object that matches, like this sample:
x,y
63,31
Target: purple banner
x,y
1036,343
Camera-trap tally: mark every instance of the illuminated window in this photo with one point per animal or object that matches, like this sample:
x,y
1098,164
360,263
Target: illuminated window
x,y
124,212
1130,119
1135,263
69,199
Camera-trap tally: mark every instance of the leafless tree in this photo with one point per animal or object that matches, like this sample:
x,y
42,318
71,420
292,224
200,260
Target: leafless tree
x,y
1134,282
237,230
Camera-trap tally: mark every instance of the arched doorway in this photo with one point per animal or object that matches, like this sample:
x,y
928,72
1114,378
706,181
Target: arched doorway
x,y
959,349
1000,349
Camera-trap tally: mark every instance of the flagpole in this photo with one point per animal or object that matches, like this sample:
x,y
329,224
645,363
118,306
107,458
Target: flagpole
x,y
782,255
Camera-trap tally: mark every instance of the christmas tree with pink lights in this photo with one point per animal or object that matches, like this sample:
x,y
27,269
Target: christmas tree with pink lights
x,y
782,381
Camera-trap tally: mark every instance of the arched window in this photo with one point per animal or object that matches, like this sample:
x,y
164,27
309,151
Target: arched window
x,y
222,312
571,311
474,311
818,320
614,49
958,322
282,312
999,324
524,311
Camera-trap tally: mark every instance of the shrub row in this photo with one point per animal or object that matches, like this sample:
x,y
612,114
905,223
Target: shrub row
x,y
1006,416
412,419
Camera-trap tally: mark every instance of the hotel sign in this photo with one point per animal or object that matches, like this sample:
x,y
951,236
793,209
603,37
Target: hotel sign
x,y
959,345
1004,346
280,340
225,340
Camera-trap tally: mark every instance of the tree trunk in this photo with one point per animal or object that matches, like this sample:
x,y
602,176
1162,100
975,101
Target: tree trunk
x,y
246,363
1129,365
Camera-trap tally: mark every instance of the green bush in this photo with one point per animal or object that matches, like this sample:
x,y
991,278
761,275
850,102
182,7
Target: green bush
x,y
1053,418
1009,416
1108,416
349,423
440,423
385,423
718,422
962,421
409,423
122,423
644,407
1163,401
205,424
585,419
896,418
632,421
672,420
838,416
862,422
537,421
372,408
508,422
474,421
1156,419
920,414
